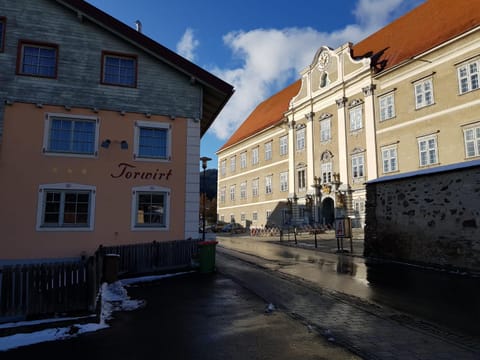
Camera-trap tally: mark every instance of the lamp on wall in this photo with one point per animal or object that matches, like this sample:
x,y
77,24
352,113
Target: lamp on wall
x,y
106,143
124,145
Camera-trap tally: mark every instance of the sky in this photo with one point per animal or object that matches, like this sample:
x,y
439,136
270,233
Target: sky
x,y
114,298
259,47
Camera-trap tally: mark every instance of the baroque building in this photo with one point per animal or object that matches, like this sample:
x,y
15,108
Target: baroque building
x,y
403,99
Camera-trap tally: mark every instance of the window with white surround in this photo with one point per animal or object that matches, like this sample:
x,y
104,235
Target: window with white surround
x,y
387,106
255,155
268,184
242,217
233,163
268,214
423,93
232,192
223,191
358,166
119,69
472,141
255,216
284,145
223,167
255,183
355,114
284,181
153,141
389,159
468,76
325,130
150,208
232,218
37,59
3,22
66,207
243,190
326,169
70,135
302,183
268,150
427,150
301,138
243,160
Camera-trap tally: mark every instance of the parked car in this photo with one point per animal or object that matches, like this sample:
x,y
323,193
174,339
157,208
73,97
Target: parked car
x,y
218,226
234,228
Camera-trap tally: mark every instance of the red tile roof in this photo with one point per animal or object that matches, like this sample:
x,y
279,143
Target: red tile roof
x,y
425,27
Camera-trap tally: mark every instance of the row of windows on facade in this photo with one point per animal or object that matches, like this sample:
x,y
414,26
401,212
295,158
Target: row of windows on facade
x,y
468,81
41,59
428,155
79,135
72,207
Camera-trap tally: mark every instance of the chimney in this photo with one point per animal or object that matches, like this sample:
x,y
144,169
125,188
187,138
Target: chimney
x,y
138,26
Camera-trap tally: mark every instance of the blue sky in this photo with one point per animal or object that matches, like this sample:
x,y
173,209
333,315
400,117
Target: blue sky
x,y
258,46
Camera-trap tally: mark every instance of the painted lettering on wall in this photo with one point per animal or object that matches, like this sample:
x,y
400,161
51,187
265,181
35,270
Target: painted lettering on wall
x,y
130,172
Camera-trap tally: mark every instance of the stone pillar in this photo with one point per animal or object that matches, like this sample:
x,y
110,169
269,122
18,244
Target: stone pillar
x,y
370,135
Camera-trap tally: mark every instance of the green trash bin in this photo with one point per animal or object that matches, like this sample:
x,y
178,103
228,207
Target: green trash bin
x,y
207,255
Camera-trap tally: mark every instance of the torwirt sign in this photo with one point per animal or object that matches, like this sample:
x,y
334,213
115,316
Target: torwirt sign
x,y
130,172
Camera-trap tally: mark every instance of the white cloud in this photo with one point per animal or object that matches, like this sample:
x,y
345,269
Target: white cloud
x,y
187,45
272,58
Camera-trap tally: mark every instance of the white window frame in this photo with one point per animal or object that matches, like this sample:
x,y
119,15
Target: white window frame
x,y
471,138
284,145
326,171
356,117
302,180
255,156
389,159
232,192
233,163
284,181
300,137
49,117
223,167
139,124
243,190
326,129
468,75
430,148
242,216
166,208
268,150
358,166
255,216
255,187
268,184
387,106
64,188
223,191
243,160
423,90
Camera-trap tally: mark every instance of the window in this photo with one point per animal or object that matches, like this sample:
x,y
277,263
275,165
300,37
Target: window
x,y
243,190
355,118
302,185
152,140
268,215
70,135
232,218
268,151
358,166
254,216
65,207
427,150
472,141
268,184
423,93
389,159
150,207
223,167
301,138
243,160
232,192
325,130
326,169
468,76
119,69
255,156
284,181
242,217
3,23
284,145
387,107
223,190
255,187
37,59
233,163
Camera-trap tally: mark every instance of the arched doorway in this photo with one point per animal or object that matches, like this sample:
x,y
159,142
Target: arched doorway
x,y
328,211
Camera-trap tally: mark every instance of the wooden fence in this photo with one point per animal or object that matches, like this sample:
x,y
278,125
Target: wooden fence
x,y
42,290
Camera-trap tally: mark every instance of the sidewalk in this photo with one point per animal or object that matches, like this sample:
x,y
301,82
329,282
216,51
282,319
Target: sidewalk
x,y
367,330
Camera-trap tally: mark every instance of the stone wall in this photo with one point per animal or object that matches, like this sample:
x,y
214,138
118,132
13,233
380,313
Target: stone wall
x,y
428,217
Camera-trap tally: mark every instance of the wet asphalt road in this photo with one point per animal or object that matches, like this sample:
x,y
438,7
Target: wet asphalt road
x,y
452,301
